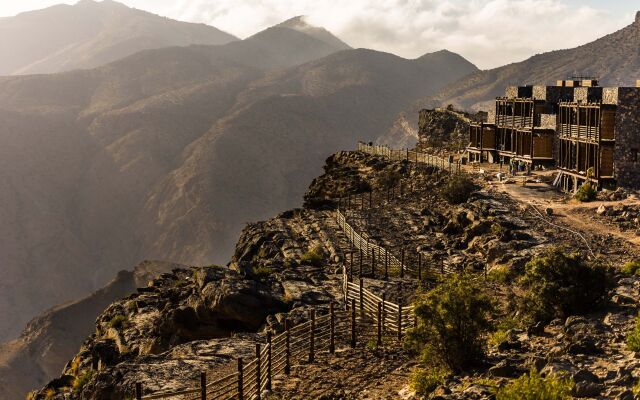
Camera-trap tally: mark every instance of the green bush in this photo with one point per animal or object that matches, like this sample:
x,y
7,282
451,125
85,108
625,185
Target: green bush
x,y
313,257
423,382
458,189
452,321
636,388
632,267
503,327
81,381
633,337
586,192
261,272
118,322
535,387
558,285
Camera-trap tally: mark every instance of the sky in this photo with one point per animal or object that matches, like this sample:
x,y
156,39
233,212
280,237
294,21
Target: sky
x,y
489,33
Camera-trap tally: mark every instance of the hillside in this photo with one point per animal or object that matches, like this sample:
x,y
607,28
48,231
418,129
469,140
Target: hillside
x,y
613,58
285,272
165,154
51,339
89,34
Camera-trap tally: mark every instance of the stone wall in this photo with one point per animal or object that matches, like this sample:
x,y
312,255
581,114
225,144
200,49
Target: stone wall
x,y
518,92
610,95
587,94
548,121
626,161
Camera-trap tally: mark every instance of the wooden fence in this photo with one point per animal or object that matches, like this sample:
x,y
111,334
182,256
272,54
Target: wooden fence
x,y
373,260
412,156
301,344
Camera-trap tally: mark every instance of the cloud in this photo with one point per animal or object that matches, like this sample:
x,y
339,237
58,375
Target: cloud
x,y
487,32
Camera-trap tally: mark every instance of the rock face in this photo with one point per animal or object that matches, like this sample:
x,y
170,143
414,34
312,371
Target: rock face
x,y
443,128
51,339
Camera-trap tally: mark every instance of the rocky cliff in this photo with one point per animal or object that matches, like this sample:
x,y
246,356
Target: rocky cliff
x,y
201,318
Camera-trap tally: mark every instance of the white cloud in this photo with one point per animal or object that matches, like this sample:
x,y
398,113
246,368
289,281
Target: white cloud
x,y
487,32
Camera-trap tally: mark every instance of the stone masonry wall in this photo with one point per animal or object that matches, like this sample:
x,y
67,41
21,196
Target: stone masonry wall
x,y
626,158
587,94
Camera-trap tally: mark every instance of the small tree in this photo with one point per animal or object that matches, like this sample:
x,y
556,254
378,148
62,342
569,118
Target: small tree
x,y
559,285
535,387
633,337
587,192
452,320
458,189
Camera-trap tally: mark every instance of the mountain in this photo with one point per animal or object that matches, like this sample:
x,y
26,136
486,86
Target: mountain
x,y
614,58
300,24
89,34
50,340
167,153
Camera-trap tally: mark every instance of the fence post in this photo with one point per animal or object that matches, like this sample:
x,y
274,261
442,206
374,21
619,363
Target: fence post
x,y
361,201
312,336
360,270
332,329
386,265
370,198
349,201
419,266
361,296
441,266
269,354
373,262
138,391
402,263
379,343
258,370
400,319
203,385
240,380
351,265
287,352
353,323
401,190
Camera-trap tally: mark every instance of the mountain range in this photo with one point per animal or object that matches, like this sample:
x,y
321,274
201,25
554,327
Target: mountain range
x,y
614,59
124,148
90,34
167,153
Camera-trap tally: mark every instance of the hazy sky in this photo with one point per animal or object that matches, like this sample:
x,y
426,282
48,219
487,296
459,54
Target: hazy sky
x,y
487,32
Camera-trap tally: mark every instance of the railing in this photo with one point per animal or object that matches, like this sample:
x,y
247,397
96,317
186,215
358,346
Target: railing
x,y
377,260
389,317
514,121
300,344
590,133
410,155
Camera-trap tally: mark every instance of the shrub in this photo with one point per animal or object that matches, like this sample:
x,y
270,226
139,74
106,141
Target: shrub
x,y
388,179
636,388
458,189
503,328
49,394
559,285
261,272
587,192
535,387
502,273
313,257
118,322
423,382
81,381
452,320
632,267
633,337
